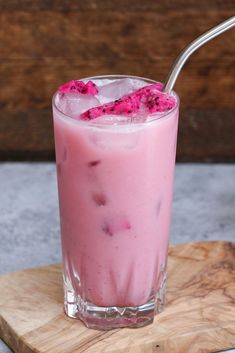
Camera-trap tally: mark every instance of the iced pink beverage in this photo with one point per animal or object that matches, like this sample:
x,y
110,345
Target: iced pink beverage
x,y
115,169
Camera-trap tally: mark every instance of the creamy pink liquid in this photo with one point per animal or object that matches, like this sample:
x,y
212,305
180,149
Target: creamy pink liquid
x,y
115,194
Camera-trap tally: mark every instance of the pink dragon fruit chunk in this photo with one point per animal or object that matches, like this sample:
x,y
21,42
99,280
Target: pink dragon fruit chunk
x,y
116,225
159,102
92,88
127,105
149,99
76,86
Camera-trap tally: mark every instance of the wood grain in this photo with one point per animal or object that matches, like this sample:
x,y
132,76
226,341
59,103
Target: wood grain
x,y
199,315
45,43
71,5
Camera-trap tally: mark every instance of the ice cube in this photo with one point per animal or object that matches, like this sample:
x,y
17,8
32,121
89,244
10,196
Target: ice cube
x,y
115,132
115,90
74,104
112,120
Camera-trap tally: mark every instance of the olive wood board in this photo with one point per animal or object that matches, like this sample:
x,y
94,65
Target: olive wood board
x,y
199,315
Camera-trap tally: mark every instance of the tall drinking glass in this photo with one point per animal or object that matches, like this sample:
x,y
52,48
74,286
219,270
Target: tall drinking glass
x,y
115,185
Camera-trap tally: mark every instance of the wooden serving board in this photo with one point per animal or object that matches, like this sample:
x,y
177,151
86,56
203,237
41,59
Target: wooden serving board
x,y
199,315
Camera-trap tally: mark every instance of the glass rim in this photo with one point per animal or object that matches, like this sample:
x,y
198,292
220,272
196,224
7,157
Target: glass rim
x,y
155,116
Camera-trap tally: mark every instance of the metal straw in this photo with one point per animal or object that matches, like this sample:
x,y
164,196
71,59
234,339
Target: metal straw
x,y
197,43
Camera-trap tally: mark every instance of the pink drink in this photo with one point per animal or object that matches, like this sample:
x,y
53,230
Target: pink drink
x,y
115,180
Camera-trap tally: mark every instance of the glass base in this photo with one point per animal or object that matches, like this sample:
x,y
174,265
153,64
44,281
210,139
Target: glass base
x,y
107,318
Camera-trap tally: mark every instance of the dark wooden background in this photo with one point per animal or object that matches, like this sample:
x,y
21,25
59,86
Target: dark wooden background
x,y
48,42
